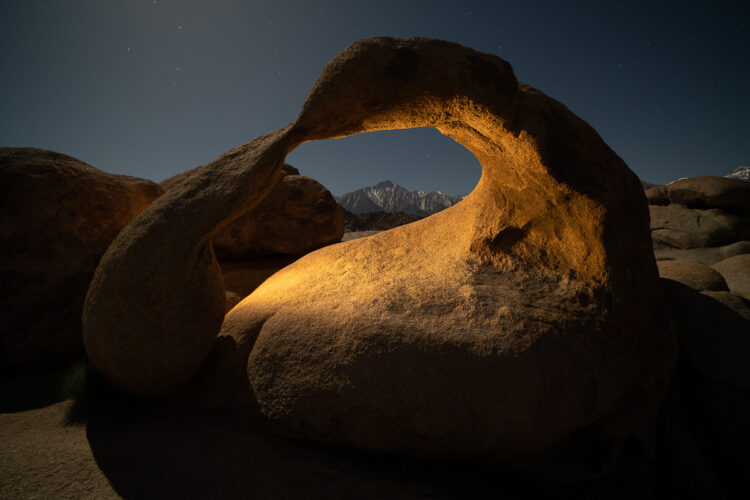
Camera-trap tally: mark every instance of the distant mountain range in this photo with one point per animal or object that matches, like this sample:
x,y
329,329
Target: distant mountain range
x,y
742,173
389,197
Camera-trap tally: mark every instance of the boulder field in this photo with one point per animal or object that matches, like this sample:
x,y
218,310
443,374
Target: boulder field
x,y
706,219
523,321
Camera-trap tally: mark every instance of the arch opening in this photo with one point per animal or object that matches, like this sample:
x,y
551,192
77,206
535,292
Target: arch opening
x,y
415,159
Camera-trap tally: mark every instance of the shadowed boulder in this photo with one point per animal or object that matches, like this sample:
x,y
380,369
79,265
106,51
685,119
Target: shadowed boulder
x,y
58,217
714,334
299,215
675,226
729,195
706,255
657,195
736,272
693,274
699,212
494,329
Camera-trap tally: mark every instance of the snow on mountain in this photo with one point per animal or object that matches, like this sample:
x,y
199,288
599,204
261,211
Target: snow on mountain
x,y
742,173
389,197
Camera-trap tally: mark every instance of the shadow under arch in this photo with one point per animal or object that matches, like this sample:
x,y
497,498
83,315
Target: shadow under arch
x,y
557,223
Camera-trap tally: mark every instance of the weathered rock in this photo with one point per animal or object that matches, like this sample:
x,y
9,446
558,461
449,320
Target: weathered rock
x,y
494,329
693,274
58,217
657,195
736,272
708,255
729,195
678,227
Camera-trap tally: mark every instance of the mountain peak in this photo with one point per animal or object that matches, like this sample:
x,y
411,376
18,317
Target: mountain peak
x,y
742,173
383,185
389,197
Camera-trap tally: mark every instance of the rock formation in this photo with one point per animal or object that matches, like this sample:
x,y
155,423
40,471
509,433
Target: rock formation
x,y
700,218
58,217
693,274
705,255
299,215
736,272
494,329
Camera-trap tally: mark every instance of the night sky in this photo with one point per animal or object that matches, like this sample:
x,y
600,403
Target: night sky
x,y
152,88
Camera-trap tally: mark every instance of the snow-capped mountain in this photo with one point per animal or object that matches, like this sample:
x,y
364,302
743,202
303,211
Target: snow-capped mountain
x,y
389,197
742,173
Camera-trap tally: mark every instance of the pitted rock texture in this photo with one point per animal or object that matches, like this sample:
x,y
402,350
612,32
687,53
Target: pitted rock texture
x,y
496,328
298,216
58,217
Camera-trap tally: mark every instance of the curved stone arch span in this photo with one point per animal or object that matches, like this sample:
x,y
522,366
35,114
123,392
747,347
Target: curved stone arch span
x,y
553,243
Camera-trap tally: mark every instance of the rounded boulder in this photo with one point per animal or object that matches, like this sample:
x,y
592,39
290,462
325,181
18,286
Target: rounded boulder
x,y
736,272
58,217
693,274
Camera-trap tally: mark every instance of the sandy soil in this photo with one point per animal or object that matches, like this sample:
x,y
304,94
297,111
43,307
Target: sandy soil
x,y
158,454
44,458
120,448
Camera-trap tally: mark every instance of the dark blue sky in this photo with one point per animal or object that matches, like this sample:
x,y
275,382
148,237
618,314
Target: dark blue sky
x,y
152,88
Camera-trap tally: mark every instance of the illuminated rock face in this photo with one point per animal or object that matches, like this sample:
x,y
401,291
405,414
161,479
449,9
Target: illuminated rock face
x,y
496,327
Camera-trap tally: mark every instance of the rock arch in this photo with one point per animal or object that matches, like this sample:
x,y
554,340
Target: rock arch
x,y
501,325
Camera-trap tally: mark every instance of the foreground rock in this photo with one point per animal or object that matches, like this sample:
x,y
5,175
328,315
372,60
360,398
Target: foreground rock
x,y
58,217
299,215
495,329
